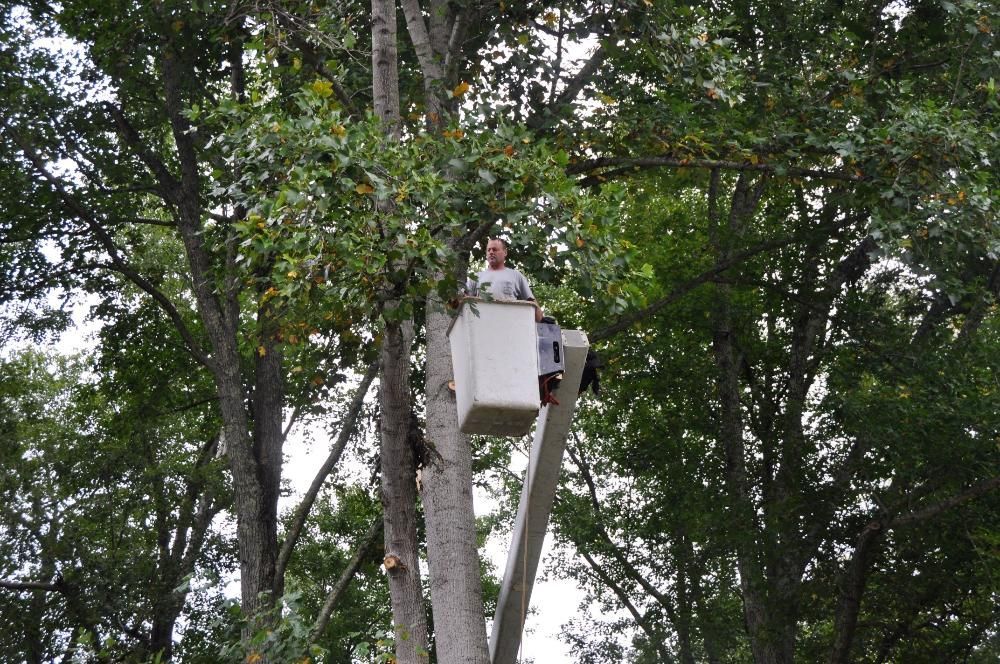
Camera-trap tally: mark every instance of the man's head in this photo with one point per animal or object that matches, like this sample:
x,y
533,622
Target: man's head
x,y
496,253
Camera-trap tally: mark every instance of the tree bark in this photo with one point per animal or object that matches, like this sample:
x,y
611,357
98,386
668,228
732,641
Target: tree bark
x,y
399,497
399,494
452,549
254,459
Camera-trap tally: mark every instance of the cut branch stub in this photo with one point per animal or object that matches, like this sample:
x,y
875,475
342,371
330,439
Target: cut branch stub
x,y
393,564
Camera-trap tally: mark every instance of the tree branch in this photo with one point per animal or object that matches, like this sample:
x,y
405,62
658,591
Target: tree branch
x,y
573,88
973,492
421,39
29,585
302,510
333,597
620,165
168,183
640,620
117,264
683,289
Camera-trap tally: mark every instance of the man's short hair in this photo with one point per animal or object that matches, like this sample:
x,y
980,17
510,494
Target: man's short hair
x,y
506,245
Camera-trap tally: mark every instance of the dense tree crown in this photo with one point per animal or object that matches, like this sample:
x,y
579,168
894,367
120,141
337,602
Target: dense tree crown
x,y
776,221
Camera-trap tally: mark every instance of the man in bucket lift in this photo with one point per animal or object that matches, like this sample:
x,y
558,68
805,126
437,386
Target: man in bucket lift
x,y
505,283
500,281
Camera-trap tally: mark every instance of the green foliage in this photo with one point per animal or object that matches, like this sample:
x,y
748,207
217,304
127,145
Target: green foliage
x,y
93,496
342,218
285,640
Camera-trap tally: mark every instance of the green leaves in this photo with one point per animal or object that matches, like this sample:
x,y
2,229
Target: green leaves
x,y
338,216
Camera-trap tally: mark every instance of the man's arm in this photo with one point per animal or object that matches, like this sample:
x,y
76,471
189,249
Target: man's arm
x,y
524,293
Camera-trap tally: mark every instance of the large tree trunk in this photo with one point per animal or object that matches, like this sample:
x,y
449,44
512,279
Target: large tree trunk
x,y
453,556
254,458
452,551
768,636
399,495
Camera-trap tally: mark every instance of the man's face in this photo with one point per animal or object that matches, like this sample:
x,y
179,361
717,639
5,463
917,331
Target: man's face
x,y
496,254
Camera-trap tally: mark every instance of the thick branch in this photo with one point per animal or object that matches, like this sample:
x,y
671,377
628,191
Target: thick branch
x,y
619,165
29,585
302,511
168,183
430,66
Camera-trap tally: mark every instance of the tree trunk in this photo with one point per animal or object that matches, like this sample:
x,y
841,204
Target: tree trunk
x,y
453,555
852,588
255,461
399,496
767,637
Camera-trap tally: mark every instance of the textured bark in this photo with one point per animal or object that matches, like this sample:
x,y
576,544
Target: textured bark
x,y
254,459
453,554
399,494
452,550
399,497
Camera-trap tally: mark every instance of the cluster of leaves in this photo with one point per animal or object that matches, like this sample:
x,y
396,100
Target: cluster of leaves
x,y
92,494
338,214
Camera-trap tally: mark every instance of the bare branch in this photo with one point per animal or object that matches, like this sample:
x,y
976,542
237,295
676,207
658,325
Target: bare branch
x,y
29,585
117,264
619,165
302,511
640,620
333,597
973,492
683,289
573,88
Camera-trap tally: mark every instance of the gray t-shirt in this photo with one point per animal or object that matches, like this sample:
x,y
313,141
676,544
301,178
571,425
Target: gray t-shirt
x,y
505,284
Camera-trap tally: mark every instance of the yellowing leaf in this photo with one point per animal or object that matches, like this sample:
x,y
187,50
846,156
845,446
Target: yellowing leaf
x,y
292,274
296,63
550,18
460,89
363,188
322,88
262,352
579,242
339,130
